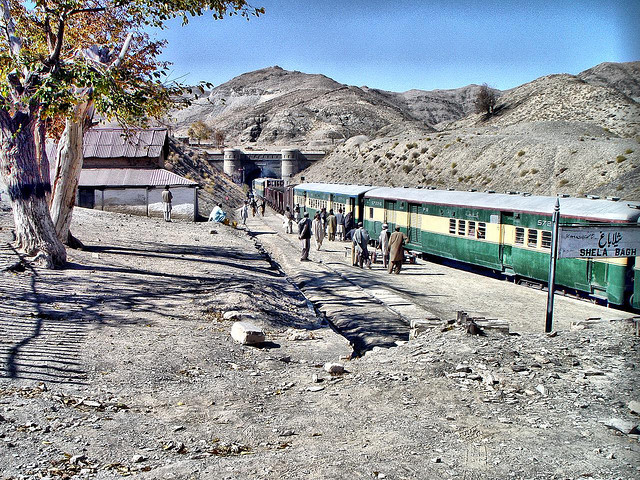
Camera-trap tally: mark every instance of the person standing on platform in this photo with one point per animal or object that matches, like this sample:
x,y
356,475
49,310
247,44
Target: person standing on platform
x,y
167,196
396,250
360,243
288,220
332,224
244,213
318,230
304,234
383,242
340,225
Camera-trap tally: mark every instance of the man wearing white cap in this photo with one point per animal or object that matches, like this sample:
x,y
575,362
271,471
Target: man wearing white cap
x,y
383,242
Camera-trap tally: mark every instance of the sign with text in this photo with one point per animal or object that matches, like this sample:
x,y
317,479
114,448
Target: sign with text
x,y
590,241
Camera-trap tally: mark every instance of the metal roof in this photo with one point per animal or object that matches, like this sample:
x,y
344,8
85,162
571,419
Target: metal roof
x,y
339,188
132,177
592,209
118,142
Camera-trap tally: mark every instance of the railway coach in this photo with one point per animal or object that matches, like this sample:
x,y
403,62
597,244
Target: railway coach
x,y
507,233
313,197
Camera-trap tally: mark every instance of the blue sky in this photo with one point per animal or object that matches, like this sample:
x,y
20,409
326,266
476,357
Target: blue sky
x,y
400,45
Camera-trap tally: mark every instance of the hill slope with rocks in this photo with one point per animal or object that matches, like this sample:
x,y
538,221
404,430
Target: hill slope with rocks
x,y
273,106
573,134
558,134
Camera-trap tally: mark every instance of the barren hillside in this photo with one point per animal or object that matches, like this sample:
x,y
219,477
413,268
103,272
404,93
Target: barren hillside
x,y
557,134
575,134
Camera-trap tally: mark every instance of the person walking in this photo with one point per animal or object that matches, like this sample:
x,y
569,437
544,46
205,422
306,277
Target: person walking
x,y
254,207
340,225
318,230
244,213
296,214
167,196
263,205
360,244
383,242
288,220
323,218
304,235
332,224
396,250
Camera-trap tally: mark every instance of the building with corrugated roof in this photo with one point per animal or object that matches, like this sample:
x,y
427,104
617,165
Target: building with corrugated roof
x,y
123,172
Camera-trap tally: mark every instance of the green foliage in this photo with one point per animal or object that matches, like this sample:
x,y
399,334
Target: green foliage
x,y
411,145
200,131
454,164
628,151
83,64
493,165
620,158
407,168
563,182
534,170
521,153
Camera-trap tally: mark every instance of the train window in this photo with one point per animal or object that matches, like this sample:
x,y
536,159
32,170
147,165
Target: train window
x,y
482,230
532,238
370,212
546,239
472,229
452,226
519,236
462,226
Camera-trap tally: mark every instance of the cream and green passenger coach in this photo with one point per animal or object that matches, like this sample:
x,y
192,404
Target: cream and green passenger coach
x,y
507,233
333,196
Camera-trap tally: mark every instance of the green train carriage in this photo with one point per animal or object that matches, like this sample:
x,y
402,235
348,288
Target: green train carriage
x,y
507,233
313,197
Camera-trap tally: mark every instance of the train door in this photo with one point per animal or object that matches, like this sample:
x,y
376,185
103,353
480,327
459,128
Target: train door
x,y
414,229
597,276
352,208
390,214
506,222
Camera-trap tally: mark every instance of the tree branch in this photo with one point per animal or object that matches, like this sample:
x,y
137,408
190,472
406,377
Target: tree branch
x,y
55,55
123,51
86,10
9,28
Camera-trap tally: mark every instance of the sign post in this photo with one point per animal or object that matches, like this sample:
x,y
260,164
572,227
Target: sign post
x,y
587,241
555,220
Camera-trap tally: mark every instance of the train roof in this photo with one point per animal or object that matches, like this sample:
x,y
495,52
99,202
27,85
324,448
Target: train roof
x,y
338,188
584,208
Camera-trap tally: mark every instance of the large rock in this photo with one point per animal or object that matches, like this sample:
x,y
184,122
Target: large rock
x,y
247,333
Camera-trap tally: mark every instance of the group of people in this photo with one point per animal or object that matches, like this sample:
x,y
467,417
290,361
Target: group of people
x,y
390,244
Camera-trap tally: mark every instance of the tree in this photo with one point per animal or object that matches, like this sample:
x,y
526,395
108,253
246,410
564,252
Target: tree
x,y
200,131
218,138
48,71
485,100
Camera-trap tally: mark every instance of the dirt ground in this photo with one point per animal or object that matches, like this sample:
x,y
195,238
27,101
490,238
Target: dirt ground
x,y
122,365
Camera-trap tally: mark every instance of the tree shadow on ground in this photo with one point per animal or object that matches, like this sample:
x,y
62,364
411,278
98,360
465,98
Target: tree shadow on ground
x,y
46,315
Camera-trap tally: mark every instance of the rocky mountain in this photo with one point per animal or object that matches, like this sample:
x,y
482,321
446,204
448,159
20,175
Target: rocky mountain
x,y
557,134
273,106
576,134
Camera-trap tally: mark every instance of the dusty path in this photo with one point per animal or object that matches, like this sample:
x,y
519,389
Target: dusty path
x,y
122,365
431,290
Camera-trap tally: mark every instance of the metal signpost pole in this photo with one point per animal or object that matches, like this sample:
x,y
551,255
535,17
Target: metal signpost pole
x,y
552,265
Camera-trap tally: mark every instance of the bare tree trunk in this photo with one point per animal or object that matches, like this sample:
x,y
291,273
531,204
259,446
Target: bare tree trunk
x,y
21,164
68,165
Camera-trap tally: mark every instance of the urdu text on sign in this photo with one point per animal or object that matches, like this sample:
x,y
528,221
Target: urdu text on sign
x,y
599,241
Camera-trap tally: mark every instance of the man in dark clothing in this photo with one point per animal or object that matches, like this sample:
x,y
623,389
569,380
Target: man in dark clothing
x,y
304,234
396,250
